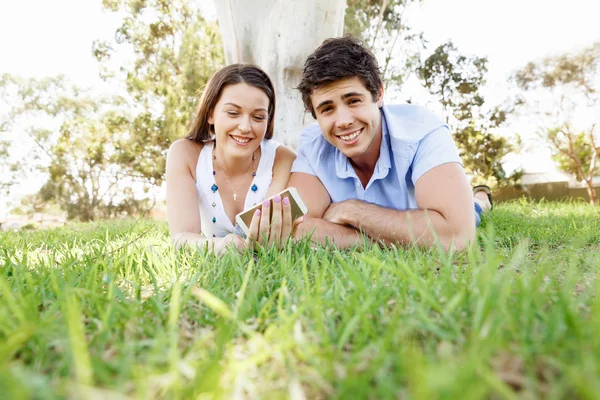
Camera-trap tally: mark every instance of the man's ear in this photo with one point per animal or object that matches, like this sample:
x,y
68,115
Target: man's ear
x,y
380,97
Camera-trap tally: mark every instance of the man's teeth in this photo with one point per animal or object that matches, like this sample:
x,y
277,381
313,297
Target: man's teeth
x,y
239,140
351,136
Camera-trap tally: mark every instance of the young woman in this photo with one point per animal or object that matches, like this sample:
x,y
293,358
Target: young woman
x,y
227,163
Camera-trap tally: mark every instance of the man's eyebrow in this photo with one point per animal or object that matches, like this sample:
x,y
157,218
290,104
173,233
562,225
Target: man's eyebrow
x,y
352,94
324,103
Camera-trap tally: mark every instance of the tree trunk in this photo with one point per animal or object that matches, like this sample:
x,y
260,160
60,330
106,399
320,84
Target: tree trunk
x,y
591,192
278,35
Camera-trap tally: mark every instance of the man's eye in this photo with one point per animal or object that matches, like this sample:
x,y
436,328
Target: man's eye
x,y
325,110
354,101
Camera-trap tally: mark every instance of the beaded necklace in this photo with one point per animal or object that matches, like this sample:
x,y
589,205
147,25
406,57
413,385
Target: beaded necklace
x,y
214,188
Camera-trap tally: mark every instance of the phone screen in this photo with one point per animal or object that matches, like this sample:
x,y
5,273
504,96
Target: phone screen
x,y
298,208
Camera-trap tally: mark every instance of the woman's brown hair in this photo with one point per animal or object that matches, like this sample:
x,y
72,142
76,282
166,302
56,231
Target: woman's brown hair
x,y
249,74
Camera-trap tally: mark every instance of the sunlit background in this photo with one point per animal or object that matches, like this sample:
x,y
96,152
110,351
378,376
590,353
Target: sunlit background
x,y
46,38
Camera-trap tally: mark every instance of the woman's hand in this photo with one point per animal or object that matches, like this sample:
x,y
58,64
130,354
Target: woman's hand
x,y
272,228
223,243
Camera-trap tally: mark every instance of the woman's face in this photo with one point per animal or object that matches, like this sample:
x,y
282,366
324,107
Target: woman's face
x,y
240,119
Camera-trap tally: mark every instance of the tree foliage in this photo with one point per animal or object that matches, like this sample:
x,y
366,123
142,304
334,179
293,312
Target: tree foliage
x,y
174,51
383,26
102,154
456,80
563,92
80,142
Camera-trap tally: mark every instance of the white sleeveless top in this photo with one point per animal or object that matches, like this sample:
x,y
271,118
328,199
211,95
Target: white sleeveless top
x,y
205,180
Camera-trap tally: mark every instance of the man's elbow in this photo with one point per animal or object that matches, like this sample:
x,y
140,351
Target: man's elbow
x,y
459,239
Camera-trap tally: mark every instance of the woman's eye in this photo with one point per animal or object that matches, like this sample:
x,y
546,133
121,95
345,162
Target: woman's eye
x,y
232,113
259,118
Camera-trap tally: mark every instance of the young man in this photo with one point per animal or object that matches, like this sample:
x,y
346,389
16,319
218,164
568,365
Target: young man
x,y
391,172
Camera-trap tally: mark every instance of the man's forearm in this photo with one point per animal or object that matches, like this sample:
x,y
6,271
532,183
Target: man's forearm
x,y
325,232
421,227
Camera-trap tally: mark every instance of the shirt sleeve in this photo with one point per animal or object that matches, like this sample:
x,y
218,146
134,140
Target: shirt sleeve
x,y
302,162
436,148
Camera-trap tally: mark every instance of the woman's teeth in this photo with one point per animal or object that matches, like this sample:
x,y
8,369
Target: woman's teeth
x,y
240,140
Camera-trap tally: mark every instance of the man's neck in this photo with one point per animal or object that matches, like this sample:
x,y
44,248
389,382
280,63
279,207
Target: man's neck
x,y
364,165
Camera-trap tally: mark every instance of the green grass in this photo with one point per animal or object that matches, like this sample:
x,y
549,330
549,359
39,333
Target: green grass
x,y
110,310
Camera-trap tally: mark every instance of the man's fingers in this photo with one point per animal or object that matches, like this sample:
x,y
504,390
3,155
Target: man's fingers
x,y
265,222
286,223
275,236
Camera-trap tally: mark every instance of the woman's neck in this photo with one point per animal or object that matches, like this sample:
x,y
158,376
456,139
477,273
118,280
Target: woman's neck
x,y
235,166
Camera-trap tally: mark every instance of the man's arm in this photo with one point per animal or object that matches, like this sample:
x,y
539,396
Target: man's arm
x,y
445,212
317,200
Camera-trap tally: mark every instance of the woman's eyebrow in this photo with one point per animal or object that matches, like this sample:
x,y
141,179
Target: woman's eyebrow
x,y
235,105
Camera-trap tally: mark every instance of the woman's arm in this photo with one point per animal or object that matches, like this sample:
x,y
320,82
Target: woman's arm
x,y
282,166
183,213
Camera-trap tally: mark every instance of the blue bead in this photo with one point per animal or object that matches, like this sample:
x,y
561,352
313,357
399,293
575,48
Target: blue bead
x,y
254,174
214,219
254,188
214,188
214,235
214,172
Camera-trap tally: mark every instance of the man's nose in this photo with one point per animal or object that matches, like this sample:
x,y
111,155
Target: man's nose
x,y
344,117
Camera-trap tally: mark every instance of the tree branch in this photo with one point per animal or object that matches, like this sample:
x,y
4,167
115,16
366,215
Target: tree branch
x,y
379,21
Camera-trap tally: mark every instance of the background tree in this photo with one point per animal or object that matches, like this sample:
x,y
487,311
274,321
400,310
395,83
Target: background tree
x,y
383,26
174,52
562,92
81,142
456,81
278,36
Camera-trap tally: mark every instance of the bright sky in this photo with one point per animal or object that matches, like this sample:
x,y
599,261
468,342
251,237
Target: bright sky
x,y
43,38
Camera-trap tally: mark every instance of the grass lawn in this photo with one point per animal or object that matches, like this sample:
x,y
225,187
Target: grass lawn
x,y
110,310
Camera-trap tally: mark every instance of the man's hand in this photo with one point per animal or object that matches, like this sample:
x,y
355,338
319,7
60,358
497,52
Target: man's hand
x,y
339,213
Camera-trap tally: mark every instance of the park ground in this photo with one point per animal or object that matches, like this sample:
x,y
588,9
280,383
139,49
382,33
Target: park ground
x,y
109,310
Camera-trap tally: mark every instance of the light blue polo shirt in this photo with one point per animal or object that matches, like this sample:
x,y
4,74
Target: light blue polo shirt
x,y
414,141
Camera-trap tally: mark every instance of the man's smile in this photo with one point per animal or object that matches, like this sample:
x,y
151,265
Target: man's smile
x,y
350,137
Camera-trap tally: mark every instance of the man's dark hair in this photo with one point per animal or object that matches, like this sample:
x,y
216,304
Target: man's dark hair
x,y
339,58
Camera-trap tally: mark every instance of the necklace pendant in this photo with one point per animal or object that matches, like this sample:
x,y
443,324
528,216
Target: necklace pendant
x,y
234,196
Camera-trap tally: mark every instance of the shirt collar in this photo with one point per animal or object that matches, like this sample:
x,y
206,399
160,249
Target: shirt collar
x,y
344,169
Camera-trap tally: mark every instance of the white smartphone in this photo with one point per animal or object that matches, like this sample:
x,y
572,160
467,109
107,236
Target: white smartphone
x,y
299,209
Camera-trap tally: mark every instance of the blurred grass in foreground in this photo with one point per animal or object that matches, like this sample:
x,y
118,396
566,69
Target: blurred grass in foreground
x,y
111,310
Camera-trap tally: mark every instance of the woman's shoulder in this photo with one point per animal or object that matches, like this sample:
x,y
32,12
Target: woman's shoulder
x,y
284,154
185,149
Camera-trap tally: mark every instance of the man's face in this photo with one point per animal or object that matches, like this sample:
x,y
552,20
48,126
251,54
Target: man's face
x,y
347,115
